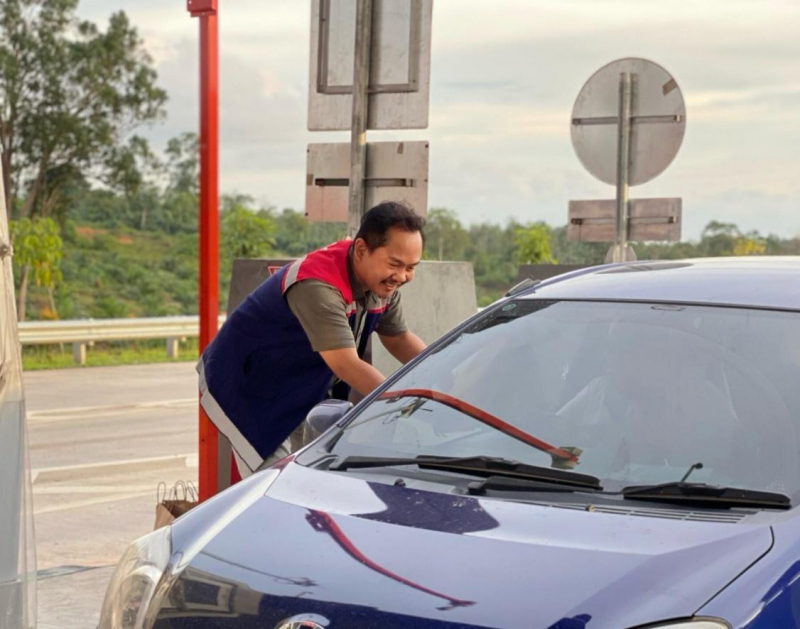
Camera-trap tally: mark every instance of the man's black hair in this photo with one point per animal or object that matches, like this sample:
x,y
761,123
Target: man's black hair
x,y
388,215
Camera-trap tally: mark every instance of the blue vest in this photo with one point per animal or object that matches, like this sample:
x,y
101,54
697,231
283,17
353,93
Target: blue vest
x,y
260,368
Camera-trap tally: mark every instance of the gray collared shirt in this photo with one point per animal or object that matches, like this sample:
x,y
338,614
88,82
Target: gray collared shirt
x,y
323,313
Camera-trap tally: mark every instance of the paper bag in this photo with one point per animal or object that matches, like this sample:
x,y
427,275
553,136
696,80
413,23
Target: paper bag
x,y
174,503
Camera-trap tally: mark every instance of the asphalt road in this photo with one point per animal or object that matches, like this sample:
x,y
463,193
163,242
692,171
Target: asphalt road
x,y
100,441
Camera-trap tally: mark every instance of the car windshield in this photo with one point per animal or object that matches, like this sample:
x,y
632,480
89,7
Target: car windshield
x,y
631,393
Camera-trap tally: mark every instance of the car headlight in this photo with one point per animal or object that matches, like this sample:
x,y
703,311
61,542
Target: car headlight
x,y
144,574
135,580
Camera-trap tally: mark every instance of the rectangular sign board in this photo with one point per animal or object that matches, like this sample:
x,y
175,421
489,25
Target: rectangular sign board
x,y
400,64
649,219
396,171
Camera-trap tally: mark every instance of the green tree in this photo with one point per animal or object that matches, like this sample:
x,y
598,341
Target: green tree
x,y
446,237
751,244
38,246
321,234
718,239
291,233
775,246
243,234
177,213
69,93
491,252
183,163
573,252
131,168
63,184
295,235
532,244
665,251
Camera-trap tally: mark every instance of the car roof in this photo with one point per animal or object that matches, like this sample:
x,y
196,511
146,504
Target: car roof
x,y
760,282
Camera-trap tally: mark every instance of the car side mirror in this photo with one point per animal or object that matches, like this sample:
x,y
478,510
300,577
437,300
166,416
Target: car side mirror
x,y
324,415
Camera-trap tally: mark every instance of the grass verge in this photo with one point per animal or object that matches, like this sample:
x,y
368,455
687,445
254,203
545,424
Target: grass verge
x,y
35,357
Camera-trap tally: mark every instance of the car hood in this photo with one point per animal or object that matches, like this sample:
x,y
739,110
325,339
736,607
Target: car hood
x,y
363,554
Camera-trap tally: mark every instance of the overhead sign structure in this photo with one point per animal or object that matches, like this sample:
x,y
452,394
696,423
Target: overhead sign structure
x,y
395,171
399,66
370,69
627,125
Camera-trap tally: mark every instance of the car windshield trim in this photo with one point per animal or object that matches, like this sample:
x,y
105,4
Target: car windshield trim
x,y
534,297
560,455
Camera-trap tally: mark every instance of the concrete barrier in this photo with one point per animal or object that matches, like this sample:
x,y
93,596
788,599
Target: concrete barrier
x,y
441,296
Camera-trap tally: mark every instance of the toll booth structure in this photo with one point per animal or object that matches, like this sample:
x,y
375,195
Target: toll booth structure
x,y
17,547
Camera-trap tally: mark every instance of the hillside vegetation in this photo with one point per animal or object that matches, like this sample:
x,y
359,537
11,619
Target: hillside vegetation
x,y
103,226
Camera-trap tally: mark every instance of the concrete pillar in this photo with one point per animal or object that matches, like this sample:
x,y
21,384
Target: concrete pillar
x,y
79,353
173,347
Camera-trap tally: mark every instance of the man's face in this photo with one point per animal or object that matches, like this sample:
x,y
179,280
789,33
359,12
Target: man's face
x,y
387,268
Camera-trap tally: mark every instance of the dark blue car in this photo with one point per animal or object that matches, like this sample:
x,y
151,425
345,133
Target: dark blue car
x,y
610,449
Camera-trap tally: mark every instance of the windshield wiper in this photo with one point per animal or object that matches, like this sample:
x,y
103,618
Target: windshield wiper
x,y
476,465
710,495
512,483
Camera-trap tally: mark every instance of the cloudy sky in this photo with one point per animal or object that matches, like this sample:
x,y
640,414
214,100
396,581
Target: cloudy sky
x,y
504,78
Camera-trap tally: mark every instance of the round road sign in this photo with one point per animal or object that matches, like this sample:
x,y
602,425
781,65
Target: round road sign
x,y
658,121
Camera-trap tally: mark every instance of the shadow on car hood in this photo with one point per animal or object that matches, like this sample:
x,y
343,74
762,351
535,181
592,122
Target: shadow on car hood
x,y
365,554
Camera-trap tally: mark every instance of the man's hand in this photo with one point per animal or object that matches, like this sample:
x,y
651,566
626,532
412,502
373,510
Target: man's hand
x,y
347,366
403,346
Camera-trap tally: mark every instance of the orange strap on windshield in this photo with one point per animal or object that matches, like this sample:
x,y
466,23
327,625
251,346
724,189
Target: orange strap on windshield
x,y
483,417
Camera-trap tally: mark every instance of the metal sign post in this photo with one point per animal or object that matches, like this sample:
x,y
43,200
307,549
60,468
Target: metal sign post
x,y
369,69
208,305
623,166
358,129
633,109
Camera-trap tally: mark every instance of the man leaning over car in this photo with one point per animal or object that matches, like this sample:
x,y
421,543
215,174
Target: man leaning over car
x,y
301,336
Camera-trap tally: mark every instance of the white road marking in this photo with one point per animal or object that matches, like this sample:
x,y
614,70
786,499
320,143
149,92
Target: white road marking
x,y
97,412
95,501
59,489
107,467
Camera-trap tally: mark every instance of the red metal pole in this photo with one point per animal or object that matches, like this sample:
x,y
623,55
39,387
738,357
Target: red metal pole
x,y
206,10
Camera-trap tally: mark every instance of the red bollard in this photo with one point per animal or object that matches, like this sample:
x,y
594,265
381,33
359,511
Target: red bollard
x,y
208,305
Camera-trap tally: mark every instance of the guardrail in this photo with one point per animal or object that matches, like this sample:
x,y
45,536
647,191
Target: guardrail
x,y
85,332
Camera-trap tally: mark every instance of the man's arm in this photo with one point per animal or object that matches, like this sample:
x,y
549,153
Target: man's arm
x,y
403,346
321,311
394,333
347,366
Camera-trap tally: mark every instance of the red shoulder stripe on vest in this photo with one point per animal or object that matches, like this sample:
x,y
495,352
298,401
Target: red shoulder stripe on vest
x,y
328,265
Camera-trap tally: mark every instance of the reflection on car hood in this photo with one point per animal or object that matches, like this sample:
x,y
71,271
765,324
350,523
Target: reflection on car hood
x,y
373,555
